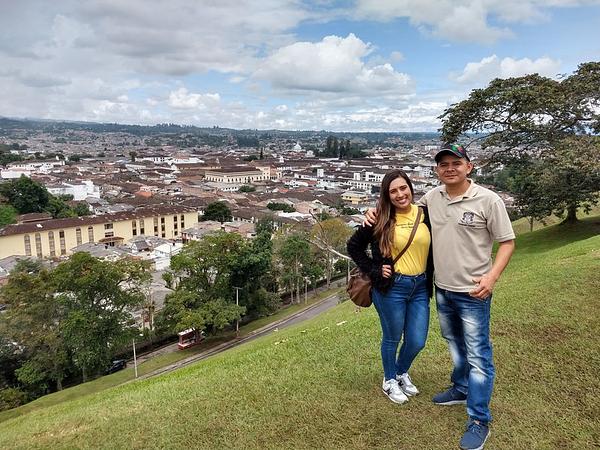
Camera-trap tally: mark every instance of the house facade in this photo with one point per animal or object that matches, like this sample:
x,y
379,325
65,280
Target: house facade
x,y
57,237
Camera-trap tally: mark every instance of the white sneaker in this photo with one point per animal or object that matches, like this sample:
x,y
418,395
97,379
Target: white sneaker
x,y
406,384
393,391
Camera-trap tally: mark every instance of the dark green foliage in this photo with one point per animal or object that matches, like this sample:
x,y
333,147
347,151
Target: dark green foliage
x,y
25,195
8,215
97,296
545,131
82,209
59,208
68,320
11,398
6,156
218,211
276,206
246,188
341,149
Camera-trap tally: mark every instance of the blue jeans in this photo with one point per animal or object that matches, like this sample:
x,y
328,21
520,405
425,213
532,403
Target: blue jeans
x,y
403,310
465,324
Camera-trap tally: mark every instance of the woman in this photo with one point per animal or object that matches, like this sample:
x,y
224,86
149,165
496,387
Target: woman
x,y
401,290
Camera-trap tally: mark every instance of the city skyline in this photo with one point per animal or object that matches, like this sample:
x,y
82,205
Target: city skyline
x,y
340,66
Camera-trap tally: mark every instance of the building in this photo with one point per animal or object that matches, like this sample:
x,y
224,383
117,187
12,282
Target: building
x,y
57,237
237,175
355,197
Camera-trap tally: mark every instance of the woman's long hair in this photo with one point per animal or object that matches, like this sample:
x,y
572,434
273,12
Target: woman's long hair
x,y
386,213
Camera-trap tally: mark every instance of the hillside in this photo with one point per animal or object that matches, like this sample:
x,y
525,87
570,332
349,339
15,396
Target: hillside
x,y
317,385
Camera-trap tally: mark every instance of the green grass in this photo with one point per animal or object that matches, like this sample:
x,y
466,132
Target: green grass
x,y
156,362
317,385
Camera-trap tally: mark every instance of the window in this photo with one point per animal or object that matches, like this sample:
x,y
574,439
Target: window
x,y
38,245
182,221
141,226
108,226
51,243
27,241
78,236
63,245
91,234
134,227
175,222
109,234
156,226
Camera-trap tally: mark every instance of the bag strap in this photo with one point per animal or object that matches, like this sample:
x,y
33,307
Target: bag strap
x,y
411,237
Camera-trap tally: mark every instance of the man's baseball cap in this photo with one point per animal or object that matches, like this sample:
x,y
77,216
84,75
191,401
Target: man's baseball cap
x,y
452,149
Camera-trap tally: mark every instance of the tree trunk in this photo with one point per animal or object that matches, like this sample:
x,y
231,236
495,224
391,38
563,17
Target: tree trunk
x,y
571,214
530,224
83,375
59,386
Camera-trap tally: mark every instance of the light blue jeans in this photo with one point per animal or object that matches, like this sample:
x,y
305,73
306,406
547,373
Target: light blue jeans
x,y
403,311
465,324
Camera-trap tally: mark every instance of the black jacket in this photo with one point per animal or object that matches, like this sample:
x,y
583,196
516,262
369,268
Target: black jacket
x,y
357,249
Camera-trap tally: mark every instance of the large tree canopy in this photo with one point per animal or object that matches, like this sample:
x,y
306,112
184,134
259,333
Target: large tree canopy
x,y
546,130
218,211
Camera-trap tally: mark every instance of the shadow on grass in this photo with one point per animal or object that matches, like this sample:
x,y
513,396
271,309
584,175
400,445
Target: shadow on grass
x,y
559,235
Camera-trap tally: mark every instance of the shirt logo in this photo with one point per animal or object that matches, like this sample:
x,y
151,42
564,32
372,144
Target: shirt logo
x,y
467,219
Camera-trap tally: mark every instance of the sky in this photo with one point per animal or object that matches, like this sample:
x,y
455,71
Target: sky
x,y
364,65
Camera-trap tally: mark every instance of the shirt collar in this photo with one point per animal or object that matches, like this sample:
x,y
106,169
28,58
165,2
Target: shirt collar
x,y
470,192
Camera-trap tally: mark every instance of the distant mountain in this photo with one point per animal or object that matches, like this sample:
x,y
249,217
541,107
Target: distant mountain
x,y
58,126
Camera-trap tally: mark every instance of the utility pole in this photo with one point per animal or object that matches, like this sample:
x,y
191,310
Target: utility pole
x,y
237,303
134,358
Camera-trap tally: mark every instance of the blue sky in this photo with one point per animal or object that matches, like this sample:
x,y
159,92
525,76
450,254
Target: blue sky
x,y
364,65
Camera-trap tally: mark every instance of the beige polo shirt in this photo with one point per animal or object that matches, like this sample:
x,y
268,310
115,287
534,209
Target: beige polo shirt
x,y
463,230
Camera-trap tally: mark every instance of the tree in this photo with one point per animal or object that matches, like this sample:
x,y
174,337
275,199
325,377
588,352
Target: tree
x,y
97,297
58,208
8,215
218,211
546,129
247,188
33,321
82,209
330,236
25,195
278,206
293,252
132,155
203,298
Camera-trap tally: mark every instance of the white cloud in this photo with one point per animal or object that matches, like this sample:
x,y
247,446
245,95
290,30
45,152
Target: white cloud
x,y
482,21
493,67
333,65
182,99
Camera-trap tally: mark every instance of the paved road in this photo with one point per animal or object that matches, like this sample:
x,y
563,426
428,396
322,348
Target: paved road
x,y
300,316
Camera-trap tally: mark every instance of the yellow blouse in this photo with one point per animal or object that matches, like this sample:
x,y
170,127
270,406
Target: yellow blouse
x,y
414,259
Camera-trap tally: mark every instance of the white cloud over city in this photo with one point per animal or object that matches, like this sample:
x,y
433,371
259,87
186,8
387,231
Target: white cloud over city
x,y
366,65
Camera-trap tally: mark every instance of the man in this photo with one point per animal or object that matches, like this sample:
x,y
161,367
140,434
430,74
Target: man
x,y
465,221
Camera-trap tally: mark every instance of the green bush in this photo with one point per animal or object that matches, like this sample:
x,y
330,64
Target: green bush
x,y
11,398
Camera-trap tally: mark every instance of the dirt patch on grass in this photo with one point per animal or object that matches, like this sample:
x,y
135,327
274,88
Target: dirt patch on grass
x,y
539,334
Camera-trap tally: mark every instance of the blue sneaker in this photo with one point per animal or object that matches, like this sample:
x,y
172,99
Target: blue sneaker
x,y
475,436
451,396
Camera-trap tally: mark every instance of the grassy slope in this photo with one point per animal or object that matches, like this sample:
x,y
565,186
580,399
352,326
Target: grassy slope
x,y
154,363
317,385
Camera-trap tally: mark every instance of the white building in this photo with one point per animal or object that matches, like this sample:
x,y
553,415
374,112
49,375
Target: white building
x,y
78,191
